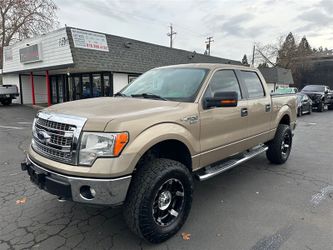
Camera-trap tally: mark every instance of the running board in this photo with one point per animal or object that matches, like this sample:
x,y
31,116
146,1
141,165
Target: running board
x,y
211,171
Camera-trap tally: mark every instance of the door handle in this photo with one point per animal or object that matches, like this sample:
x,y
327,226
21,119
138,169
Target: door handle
x,y
268,108
244,112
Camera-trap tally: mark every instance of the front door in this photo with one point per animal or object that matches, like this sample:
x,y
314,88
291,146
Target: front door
x,y
222,128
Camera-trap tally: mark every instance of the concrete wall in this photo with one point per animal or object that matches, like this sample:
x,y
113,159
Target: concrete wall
x,y
120,80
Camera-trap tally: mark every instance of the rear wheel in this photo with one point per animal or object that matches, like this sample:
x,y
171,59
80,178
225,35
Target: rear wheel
x,y
321,107
159,200
279,148
6,102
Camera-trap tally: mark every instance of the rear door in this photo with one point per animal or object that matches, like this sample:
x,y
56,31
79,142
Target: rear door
x,y
259,106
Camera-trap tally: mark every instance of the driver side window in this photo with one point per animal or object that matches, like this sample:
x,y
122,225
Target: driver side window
x,y
223,81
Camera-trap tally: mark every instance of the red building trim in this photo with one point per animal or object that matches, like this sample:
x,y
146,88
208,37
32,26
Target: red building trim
x,y
48,88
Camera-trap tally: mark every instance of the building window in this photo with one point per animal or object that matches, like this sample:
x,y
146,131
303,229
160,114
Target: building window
x,y
131,78
86,90
107,85
97,85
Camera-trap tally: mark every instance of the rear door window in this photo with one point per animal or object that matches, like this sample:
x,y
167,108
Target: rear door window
x,y
253,84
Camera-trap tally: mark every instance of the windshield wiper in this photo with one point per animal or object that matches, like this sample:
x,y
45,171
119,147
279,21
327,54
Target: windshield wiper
x,y
149,95
119,94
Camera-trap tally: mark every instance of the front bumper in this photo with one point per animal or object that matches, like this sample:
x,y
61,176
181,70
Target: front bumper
x,y
110,192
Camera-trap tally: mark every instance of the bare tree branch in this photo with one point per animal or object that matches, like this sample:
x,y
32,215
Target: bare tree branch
x,y
20,19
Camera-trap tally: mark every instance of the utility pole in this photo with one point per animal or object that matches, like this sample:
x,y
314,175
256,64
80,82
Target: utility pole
x,y
253,52
208,42
171,34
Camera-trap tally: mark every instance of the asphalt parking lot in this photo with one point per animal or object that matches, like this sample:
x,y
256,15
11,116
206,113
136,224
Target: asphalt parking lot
x,y
256,206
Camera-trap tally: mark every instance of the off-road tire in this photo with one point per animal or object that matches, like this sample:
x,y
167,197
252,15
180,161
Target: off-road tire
x,y
6,102
145,185
275,153
299,112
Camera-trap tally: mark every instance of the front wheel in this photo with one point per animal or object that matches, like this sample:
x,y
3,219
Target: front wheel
x,y
299,112
159,199
279,148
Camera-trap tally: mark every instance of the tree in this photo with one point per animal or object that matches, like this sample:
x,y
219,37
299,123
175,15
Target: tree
x,y
304,48
21,19
288,52
244,60
263,65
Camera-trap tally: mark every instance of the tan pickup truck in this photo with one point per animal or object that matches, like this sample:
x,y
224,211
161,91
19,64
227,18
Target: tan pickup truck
x,y
142,147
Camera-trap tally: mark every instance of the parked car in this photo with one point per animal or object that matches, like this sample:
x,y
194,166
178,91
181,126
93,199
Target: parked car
x,y
320,95
304,104
8,93
143,147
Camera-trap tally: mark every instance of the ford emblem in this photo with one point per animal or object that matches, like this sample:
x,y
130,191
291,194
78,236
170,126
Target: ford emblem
x,y
44,137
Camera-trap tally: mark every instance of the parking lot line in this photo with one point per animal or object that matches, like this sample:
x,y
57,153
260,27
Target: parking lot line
x,y
11,127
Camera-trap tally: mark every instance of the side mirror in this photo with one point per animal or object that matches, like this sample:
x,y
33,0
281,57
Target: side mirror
x,y
221,99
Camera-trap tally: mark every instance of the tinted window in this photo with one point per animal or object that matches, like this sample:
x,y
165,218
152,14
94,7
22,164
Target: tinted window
x,y
223,81
253,84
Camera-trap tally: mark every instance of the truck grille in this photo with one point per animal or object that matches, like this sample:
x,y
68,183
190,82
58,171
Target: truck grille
x,y
55,136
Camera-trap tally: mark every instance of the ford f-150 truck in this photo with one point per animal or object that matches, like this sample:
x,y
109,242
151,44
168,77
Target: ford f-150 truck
x,y
142,147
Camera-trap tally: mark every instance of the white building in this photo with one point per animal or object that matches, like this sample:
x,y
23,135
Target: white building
x,y
70,63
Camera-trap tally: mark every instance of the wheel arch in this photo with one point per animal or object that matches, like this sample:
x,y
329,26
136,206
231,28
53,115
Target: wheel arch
x,y
167,140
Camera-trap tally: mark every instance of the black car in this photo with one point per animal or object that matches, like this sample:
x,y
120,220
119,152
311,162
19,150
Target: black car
x,y
320,95
304,104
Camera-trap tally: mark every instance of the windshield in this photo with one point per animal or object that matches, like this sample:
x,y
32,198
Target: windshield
x,y
314,88
178,84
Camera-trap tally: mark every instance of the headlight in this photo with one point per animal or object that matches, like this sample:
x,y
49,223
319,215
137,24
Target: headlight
x,y
94,145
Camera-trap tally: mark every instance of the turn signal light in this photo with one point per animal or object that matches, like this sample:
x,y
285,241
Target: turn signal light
x,y
228,101
120,143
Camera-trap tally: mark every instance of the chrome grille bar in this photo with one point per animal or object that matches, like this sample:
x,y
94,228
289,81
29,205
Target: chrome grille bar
x,y
56,136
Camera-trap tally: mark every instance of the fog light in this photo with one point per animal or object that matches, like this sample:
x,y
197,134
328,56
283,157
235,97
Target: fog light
x,y
87,192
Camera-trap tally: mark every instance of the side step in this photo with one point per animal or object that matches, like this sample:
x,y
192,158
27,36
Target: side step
x,y
211,171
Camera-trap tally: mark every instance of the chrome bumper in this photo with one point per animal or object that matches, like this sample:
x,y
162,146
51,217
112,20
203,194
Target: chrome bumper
x,y
85,190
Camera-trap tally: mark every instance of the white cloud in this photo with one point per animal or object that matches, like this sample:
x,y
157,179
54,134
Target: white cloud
x,y
235,25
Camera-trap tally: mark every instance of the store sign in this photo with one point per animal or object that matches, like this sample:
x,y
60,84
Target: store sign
x,y
89,40
30,54
8,52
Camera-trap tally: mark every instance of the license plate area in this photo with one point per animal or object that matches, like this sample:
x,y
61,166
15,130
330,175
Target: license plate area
x,y
37,178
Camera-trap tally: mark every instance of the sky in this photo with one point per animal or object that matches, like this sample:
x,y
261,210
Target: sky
x,y
234,25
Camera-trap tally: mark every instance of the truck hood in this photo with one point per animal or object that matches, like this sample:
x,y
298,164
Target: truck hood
x,y
100,111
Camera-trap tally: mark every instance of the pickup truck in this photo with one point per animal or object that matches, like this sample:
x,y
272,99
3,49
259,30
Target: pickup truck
x,y
320,95
7,94
143,147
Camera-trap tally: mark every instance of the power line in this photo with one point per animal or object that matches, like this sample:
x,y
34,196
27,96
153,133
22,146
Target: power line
x,y
171,34
208,42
